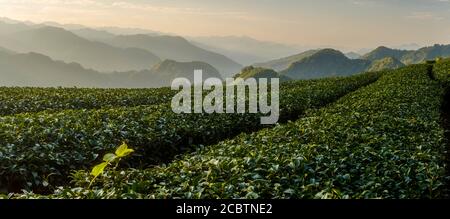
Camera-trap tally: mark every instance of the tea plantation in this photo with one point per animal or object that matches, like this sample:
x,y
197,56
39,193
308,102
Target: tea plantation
x,y
371,135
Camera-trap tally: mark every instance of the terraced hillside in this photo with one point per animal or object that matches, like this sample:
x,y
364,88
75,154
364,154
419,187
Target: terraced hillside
x,y
55,143
372,135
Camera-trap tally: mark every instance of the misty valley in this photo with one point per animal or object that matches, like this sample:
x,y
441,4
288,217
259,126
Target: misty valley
x,y
106,108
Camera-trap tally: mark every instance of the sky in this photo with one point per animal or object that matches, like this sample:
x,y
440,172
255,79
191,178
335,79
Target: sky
x,y
338,23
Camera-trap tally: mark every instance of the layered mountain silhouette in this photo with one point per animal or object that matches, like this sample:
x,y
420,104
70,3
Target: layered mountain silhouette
x,y
163,73
66,46
426,53
329,62
37,70
9,26
409,56
93,34
99,57
105,51
243,49
33,69
177,48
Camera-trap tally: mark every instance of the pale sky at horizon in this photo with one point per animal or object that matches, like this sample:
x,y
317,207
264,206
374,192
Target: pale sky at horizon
x,y
343,23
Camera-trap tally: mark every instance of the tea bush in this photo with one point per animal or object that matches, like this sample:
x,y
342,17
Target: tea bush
x,y
38,151
382,141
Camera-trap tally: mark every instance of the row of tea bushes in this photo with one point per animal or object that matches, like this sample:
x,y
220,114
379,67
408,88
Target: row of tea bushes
x,y
14,100
382,141
37,151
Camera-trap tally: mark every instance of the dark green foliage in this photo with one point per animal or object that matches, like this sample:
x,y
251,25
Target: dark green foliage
x,y
385,63
14,100
382,141
35,146
258,72
325,63
410,56
442,71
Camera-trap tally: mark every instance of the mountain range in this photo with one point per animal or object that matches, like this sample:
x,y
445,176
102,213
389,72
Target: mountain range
x,y
37,70
106,52
410,56
330,62
245,49
163,73
325,63
63,45
176,48
75,55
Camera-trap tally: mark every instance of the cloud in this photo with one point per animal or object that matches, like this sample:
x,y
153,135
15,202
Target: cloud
x,y
425,16
122,5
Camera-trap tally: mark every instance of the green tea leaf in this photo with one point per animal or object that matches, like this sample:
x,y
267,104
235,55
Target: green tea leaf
x,y
109,157
97,170
123,150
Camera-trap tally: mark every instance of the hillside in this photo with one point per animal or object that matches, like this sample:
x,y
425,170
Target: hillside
x,y
325,63
93,34
245,49
426,53
386,63
6,51
66,46
8,27
284,63
346,130
179,49
42,71
410,56
353,55
258,72
383,52
163,73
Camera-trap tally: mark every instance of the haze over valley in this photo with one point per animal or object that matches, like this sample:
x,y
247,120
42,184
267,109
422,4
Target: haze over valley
x,y
51,50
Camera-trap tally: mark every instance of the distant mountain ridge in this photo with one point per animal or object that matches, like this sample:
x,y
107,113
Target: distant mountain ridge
x,y
410,56
177,48
143,49
329,62
163,73
140,53
37,70
6,51
353,55
245,50
42,71
63,45
284,63
384,52
325,63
